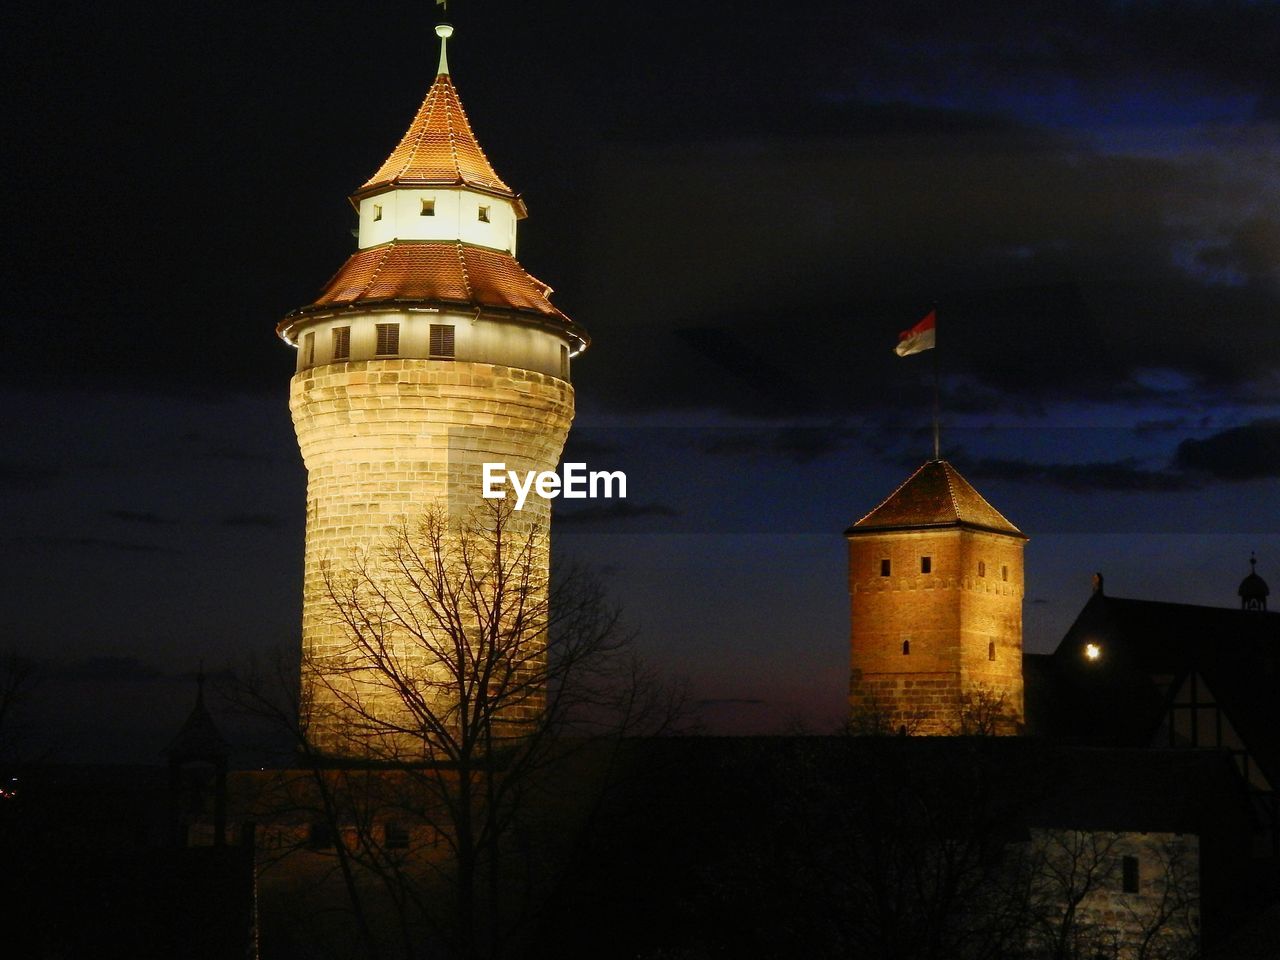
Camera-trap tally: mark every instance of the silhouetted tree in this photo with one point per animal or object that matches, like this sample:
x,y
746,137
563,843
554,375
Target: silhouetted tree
x,y
474,692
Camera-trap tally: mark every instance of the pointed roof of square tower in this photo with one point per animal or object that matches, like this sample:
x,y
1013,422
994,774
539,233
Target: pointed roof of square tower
x,y
935,496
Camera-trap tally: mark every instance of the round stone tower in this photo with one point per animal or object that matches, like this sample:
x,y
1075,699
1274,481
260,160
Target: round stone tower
x,y
429,353
935,586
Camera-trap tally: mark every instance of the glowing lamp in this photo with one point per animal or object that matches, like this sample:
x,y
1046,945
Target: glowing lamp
x,y
1092,651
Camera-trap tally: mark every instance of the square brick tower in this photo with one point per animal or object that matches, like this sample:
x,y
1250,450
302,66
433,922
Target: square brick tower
x,y
935,587
429,353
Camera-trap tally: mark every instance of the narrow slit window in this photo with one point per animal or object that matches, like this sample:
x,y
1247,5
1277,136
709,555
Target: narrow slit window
x,y
1004,572
341,343
320,835
388,339
377,212
396,835
885,568
906,648
1131,877
309,348
926,564
483,214
428,208
982,568
991,650
564,363
442,341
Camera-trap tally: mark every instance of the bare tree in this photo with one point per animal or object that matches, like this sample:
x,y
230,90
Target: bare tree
x,y
1163,923
983,713
1066,868
469,695
1081,906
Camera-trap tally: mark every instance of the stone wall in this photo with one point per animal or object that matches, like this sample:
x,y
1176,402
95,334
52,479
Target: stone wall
x,y
936,653
384,441
1079,893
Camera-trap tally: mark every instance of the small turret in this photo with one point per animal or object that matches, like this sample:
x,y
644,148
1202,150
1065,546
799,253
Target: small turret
x,y
197,768
1253,589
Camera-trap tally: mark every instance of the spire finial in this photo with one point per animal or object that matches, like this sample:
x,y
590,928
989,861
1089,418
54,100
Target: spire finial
x,y
444,31
1253,561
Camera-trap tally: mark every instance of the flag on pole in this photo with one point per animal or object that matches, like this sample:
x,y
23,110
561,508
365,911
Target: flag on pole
x,y
919,338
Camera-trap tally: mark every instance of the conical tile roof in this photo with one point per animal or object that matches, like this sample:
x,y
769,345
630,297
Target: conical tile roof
x,y
439,273
935,496
438,150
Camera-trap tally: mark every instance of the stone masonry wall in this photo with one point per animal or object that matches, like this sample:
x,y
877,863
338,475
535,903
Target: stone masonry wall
x,y
386,440
950,621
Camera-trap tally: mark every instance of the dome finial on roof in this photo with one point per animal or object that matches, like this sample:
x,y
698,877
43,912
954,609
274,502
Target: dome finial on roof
x,y
1253,590
444,31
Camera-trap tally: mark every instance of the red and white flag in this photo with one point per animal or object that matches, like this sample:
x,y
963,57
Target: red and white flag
x,y
919,338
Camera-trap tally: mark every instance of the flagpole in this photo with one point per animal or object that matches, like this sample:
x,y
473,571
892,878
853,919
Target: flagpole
x,y
923,336
937,433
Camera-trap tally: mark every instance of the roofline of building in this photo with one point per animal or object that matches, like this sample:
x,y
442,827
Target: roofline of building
x,y
558,323
409,183
855,530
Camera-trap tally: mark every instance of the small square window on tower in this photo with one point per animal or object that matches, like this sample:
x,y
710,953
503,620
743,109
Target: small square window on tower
x,y
428,208
320,835
906,647
388,339
926,564
441,347
396,835
377,212
341,343
309,348
991,650
483,214
1131,878
885,568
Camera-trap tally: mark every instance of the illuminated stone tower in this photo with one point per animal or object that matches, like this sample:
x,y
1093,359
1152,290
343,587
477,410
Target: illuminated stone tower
x,y
429,352
935,587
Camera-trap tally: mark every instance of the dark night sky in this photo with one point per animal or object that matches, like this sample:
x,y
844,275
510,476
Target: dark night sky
x,y
744,205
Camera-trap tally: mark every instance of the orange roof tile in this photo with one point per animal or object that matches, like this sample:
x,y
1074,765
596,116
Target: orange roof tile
x,y
438,149
935,496
435,272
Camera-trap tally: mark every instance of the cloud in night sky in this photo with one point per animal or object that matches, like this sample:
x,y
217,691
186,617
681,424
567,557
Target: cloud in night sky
x,y
25,476
1119,475
104,543
264,520
107,669
609,512
584,446
1248,452
798,444
144,517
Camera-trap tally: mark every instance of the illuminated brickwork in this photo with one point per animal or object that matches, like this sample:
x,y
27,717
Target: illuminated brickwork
x,y
936,613
384,441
